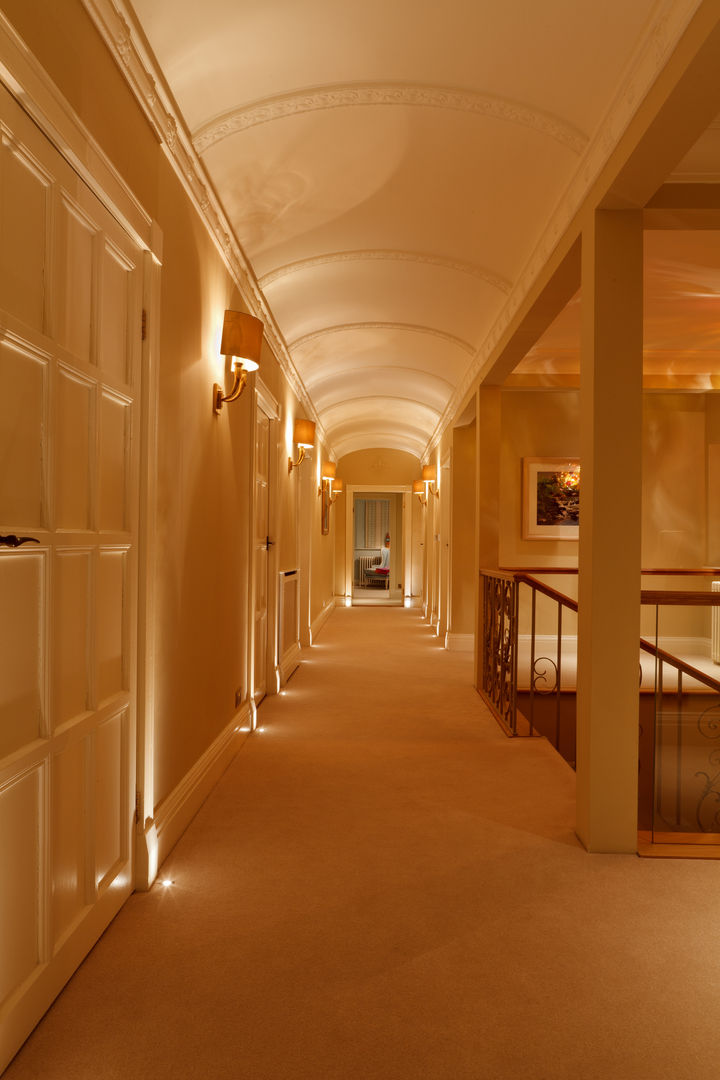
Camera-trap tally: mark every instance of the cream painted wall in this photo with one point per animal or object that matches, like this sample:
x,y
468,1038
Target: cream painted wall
x,y
204,461
712,404
541,424
462,606
323,547
675,488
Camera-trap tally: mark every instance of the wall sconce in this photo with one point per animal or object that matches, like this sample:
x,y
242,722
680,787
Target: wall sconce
x,y
429,476
419,490
304,436
338,486
242,341
327,476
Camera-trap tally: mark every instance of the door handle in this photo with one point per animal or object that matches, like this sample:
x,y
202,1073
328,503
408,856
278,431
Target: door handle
x,y
268,542
15,541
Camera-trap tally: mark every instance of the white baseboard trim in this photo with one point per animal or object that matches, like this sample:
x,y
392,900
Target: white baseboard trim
x,y
320,620
289,662
159,835
677,646
459,642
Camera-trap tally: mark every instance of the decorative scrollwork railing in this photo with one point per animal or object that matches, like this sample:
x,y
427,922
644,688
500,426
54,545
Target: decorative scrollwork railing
x,y
541,684
498,675
707,814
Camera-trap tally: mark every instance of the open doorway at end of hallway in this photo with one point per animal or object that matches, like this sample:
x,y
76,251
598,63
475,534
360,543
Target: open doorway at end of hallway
x,y
377,548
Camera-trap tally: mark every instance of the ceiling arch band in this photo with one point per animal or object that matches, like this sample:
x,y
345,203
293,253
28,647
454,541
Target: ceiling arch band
x,y
497,282
428,97
300,342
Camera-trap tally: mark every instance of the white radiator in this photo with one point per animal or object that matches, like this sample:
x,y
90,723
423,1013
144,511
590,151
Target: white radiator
x,y
716,627
288,623
362,563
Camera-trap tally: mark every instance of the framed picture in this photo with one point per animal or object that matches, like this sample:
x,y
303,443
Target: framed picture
x,y
551,498
325,511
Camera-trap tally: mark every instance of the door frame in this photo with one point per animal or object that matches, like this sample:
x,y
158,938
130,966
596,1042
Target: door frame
x,y
265,400
406,491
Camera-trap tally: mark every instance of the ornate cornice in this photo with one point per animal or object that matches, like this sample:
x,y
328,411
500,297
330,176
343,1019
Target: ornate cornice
x,y
317,98
672,19
389,371
119,29
411,327
455,265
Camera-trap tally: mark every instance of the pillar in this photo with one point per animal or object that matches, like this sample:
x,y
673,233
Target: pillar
x,y
487,497
610,525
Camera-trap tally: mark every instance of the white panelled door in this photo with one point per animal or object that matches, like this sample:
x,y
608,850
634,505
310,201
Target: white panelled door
x,y
260,546
70,341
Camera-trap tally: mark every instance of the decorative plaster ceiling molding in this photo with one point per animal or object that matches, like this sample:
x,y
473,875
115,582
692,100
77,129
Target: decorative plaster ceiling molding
x,y
417,406
479,272
411,327
313,99
371,370
118,26
649,59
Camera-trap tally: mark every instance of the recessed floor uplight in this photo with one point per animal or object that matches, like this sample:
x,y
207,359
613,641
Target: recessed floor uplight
x,y
167,882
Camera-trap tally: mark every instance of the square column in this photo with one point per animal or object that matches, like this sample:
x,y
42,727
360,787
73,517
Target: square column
x,y
488,411
610,531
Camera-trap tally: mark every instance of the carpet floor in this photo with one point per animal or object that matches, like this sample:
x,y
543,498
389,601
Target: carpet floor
x,y
384,887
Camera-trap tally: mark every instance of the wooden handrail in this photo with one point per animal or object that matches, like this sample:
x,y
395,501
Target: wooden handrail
x,y
679,665
679,599
669,572
547,590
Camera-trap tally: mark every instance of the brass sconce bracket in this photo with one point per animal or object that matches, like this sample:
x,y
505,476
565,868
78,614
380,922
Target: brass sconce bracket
x,y
293,464
238,386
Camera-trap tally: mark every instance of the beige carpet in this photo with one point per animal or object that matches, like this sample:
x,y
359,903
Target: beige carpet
x,y
384,886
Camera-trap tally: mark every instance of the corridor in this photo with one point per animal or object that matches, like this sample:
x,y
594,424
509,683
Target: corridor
x,y
382,885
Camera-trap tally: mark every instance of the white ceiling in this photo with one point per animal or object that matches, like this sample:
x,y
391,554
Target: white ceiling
x,y
389,168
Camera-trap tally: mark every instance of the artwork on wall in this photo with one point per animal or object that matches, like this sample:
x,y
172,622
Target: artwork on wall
x,y
325,510
551,498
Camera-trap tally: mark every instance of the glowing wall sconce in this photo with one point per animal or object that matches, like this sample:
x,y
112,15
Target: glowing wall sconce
x,y
330,488
242,341
304,436
419,490
429,476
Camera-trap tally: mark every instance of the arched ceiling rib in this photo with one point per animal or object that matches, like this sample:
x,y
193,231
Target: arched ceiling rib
x,y
314,335
400,256
426,97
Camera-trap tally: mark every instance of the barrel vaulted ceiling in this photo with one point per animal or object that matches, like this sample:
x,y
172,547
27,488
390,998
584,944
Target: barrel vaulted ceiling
x,y
396,171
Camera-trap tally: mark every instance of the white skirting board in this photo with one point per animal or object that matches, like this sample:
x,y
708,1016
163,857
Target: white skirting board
x,y
460,642
320,620
159,835
289,661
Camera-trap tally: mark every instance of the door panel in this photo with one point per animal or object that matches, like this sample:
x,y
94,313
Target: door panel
x,y
69,381
22,810
73,449
23,431
25,209
69,842
72,624
23,650
262,526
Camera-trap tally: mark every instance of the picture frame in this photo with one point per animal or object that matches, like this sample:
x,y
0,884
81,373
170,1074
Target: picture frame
x,y
551,498
325,511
